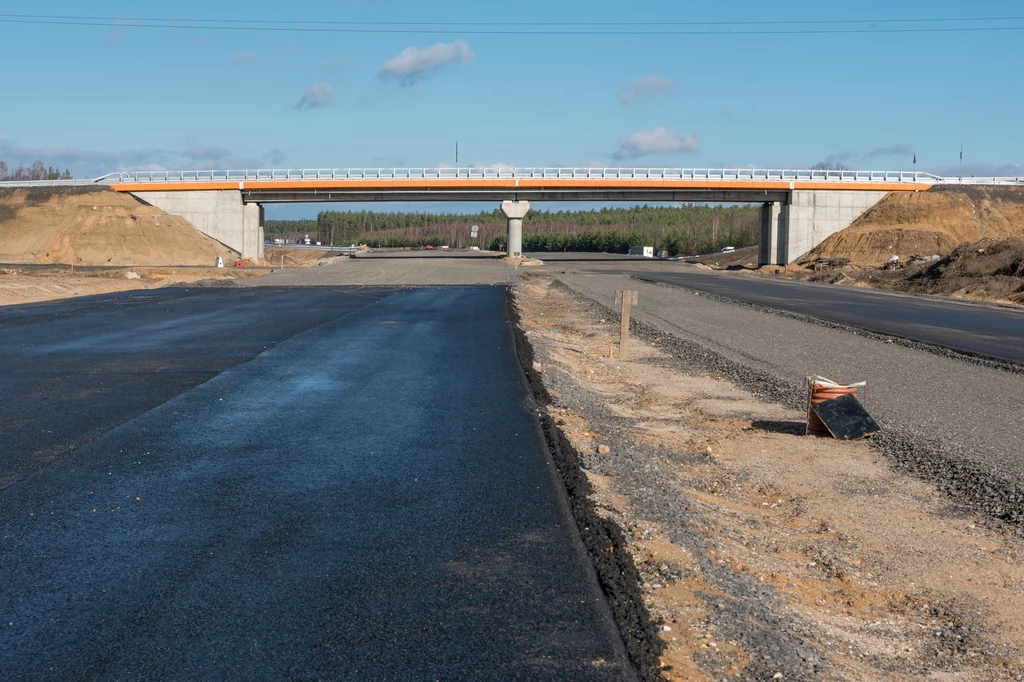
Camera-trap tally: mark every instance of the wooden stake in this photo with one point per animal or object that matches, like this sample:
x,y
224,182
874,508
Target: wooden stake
x,y
627,303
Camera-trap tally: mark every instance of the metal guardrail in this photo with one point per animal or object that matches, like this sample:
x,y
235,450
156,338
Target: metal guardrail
x,y
710,175
313,247
83,182
618,174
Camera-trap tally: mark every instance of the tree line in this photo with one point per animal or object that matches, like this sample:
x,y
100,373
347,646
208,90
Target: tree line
x,y
37,171
690,228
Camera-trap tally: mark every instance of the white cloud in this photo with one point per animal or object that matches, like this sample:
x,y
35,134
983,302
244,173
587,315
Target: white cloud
x,y
413,64
656,141
316,96
646,87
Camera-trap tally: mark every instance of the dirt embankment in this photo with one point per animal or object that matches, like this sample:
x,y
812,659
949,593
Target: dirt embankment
x,y
97,226
298,258
928,223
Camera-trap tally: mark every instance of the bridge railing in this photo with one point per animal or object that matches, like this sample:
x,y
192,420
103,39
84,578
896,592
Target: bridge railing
x,y
709,175
503,173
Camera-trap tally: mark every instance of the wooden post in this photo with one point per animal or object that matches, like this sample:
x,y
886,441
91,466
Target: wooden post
x,y
627,302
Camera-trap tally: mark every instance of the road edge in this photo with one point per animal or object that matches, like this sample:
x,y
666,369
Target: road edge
x,y
604,541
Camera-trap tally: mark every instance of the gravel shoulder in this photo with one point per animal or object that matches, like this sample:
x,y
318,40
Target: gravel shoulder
x,y
768,555
945,419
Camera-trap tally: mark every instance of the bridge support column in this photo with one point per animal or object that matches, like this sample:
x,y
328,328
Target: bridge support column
x,y
770,248
252,231
220,214
515,211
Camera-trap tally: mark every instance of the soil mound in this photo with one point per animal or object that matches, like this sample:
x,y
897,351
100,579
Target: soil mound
x,y
987,269
926,223
302,258
97,226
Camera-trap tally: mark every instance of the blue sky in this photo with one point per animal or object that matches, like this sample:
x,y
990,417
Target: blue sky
x,y
124,96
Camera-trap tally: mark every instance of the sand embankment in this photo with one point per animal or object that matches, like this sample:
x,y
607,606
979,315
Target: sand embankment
x,y
97,226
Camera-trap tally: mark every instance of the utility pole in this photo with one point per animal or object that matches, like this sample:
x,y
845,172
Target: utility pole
x,y
961,162
456,153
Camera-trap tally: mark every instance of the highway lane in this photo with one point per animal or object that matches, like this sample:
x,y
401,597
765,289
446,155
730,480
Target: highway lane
x,y
71,370
979,329
368,498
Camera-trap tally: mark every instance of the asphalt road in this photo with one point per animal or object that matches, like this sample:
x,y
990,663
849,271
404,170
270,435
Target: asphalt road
x,y
979,329
242,484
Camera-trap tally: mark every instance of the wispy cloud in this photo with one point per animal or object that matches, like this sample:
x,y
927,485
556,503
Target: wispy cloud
x,y
655,141
492,166
645,88
337,67
981,170
244,57
892,150
316,96
413,64
86,163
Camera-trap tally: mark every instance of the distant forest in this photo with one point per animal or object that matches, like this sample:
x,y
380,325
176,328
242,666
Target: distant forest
x,y
691,228
37,171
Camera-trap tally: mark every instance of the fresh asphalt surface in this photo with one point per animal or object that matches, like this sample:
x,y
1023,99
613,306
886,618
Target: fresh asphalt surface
x,y
240,484
978,329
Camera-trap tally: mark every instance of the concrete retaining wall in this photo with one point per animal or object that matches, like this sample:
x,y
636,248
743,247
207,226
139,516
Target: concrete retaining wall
x,y
218,214
789,231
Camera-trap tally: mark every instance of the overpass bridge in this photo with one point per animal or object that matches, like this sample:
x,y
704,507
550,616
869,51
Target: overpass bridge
x,y
799,208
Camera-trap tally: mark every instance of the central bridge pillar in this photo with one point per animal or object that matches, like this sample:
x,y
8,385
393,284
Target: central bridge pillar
x,y
771,241
515,211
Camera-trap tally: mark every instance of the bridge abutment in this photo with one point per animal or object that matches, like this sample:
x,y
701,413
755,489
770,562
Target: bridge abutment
x,y
809,217
515,211
220,214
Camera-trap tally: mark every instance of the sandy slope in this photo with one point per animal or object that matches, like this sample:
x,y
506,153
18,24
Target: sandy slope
x,y
927,223
94,226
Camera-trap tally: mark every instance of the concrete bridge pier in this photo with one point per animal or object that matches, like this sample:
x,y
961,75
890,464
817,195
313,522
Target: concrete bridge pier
x,y
515,211
772,222
220,214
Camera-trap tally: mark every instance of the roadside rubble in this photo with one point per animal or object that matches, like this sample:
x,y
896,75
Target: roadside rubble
x,y
762,553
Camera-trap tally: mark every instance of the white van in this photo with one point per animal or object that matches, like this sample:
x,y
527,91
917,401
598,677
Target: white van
x,y
645,251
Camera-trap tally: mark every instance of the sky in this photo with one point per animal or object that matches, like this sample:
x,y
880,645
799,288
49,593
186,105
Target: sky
x,y
598,83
